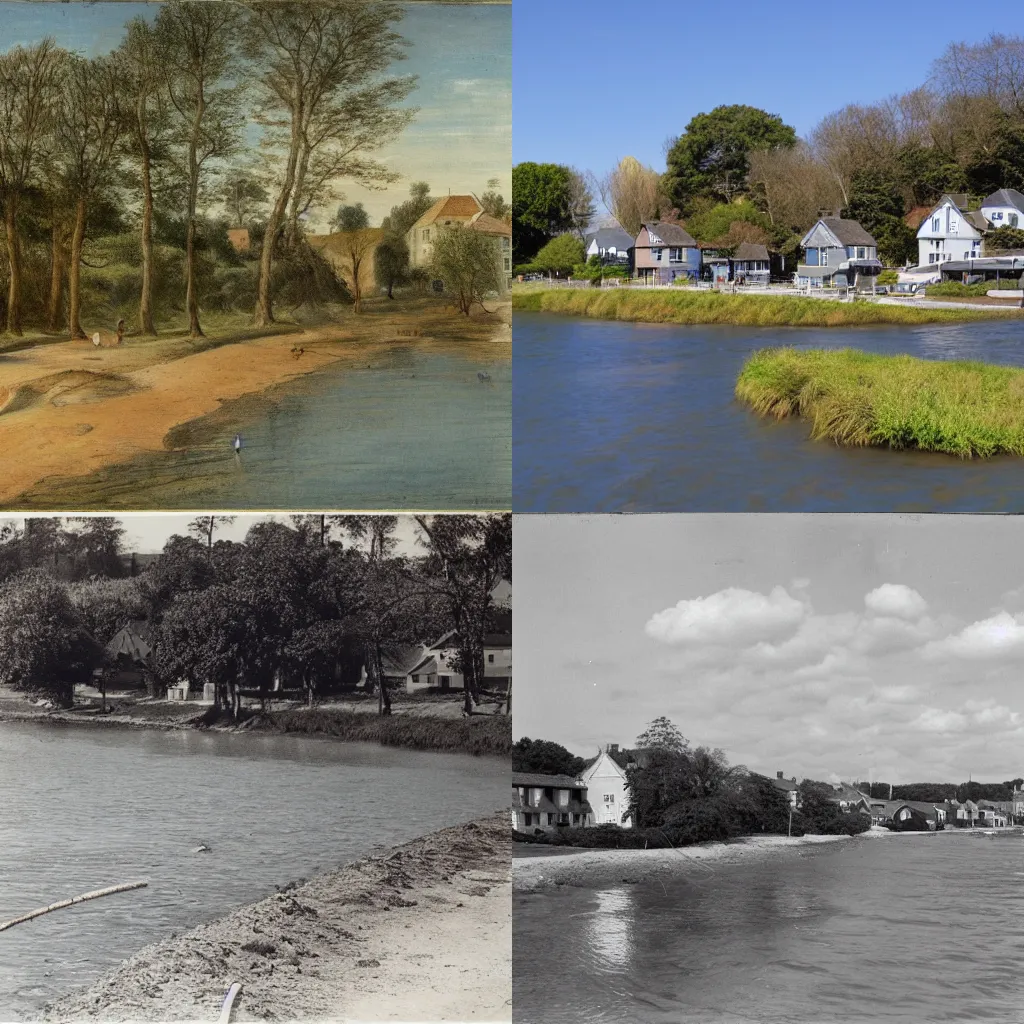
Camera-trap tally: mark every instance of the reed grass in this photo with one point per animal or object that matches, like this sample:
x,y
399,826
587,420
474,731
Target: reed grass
x,y
708,307
968,409
483,734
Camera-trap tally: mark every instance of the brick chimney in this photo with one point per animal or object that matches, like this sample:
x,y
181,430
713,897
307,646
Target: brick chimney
x,y
778,775
613,748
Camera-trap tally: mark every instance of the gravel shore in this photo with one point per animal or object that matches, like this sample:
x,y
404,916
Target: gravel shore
x,y
597,867
422,932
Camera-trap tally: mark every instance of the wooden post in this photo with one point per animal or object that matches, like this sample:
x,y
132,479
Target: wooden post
x,y
71,902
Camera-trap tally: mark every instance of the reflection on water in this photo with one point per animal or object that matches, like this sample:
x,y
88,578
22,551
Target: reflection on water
x,y
82,809
610,928
906,929
620,417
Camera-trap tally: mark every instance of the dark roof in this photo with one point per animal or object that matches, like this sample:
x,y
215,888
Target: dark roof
x,y
399,661
127,642
670,234
849,232
785,784
751,251
921,806
1005,197
608,238
554,781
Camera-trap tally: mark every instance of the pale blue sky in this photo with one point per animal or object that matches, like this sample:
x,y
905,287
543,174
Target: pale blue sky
x,y
598,80
461,53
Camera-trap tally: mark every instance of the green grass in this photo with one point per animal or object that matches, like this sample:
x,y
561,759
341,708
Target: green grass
x,y
957,290
967,409
707,307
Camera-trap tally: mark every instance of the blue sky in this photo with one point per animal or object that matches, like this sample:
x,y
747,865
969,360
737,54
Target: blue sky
x,y
600,80
462,135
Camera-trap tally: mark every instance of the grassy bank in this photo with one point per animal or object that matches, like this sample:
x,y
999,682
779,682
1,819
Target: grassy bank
x,y
707,307
855,398
483,734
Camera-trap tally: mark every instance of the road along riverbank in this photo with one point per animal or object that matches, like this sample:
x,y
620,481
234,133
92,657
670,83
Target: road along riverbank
x,y
422,932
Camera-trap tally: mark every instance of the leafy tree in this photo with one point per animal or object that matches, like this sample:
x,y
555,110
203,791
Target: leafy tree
x,y
402,217
712,223
663,734
29,89
1004,238
877,204
204,527
243,195
820,815
44,645
560,255
351,218
319,67
199,44
541,206
391,263
106,605
467,261
710,158
93,547
545,758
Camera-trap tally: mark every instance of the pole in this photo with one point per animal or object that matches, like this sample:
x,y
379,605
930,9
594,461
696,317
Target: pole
x,y
68,903
790,832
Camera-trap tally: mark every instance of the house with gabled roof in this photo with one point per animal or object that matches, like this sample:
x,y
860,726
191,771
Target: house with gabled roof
x,y
1003,209
839,253
460,211
950,232
748,263
611,244
663,252
549,802
606,790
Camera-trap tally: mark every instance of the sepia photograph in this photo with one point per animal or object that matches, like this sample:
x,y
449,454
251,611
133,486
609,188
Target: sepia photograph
x,y
761,283
255,767
255,255
767,768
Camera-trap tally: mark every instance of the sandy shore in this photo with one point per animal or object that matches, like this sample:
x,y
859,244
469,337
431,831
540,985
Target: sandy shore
x,y
70,409
597,867
421,933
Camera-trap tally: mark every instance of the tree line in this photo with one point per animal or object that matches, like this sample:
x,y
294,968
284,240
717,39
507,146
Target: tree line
x,y
678,794
307,603
938,792
740,174
162,127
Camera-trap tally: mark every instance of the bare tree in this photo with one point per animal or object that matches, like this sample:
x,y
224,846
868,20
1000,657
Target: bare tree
x,y
204,527
317,64
993,68
581,203
632,193
198,41
792,185
355,249
29,83
88,132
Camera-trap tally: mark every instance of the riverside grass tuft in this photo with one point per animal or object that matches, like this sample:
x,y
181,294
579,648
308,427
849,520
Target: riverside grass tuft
x,y
685,306
968,409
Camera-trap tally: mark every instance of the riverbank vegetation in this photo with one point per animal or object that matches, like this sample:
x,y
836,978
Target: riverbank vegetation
x,y
687,306
300,611
967,409
679,795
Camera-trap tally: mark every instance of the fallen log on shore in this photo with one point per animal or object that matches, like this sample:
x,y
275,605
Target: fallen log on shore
x,y
71,902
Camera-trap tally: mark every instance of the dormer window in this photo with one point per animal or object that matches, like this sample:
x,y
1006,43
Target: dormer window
x,y
936,224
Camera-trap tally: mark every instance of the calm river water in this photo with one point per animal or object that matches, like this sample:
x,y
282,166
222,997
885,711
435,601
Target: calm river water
x,y
905,928
83,809
621,417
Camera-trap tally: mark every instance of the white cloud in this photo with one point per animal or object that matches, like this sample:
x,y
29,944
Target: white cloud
x,y
730,616
1000,636
938,720
897,601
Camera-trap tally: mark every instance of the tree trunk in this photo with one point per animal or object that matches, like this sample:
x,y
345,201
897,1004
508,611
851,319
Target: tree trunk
x,y
384,698
264,303
146,296
292,231
14,261
508,697
357,294
58,263
191,299
74,272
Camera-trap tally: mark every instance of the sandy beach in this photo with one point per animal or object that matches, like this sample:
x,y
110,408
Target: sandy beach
x,y
69,409
421,932
597,867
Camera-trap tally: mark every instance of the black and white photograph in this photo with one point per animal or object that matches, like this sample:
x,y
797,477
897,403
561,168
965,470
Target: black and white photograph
x,y
768,768
255,767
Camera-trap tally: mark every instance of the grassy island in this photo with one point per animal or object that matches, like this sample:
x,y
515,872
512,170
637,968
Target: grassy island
x,y
967,409
690,306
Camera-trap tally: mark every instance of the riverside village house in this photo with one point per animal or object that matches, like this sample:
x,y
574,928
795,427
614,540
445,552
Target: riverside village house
x,y
839,254
465,211
606,788
548,802
663,252
611,244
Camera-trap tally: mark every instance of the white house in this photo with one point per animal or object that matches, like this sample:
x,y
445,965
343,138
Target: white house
x,y
950,232
612,244
1004,209
606,791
